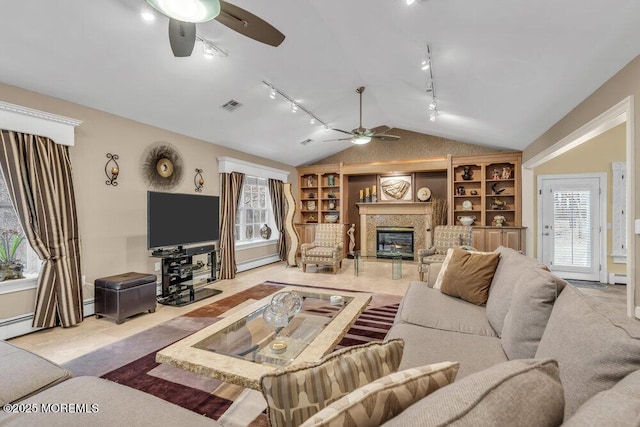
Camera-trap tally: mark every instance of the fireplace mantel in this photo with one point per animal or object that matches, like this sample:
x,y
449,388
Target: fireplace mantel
x,y
416,215
385,208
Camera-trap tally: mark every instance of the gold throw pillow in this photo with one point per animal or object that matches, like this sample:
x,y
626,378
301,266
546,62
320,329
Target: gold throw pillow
x,y
468,275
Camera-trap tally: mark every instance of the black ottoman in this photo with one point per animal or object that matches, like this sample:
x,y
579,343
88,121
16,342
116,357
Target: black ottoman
x,y
124,295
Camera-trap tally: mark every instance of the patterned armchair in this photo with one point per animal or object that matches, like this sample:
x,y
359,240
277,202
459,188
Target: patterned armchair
x,y
444,237
327,247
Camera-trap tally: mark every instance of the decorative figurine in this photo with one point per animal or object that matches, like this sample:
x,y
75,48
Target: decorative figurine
x,y
500,220
352,239
310,181
461,190
506,172
496,173
467,173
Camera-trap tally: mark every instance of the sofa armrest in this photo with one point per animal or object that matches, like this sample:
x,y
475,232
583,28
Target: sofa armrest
x,y
305,247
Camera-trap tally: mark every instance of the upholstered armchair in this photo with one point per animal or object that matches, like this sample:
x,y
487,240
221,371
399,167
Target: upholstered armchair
x,y
326,249
444,237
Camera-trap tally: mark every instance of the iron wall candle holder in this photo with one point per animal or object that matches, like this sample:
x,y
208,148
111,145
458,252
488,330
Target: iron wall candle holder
x,y
198,181
112,169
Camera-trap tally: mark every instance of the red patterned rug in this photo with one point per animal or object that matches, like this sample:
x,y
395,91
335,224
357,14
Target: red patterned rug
x,y
131,361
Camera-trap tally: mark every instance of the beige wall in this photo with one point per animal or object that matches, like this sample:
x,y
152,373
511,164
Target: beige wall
x,y
112,220
594,156
622,85
412,145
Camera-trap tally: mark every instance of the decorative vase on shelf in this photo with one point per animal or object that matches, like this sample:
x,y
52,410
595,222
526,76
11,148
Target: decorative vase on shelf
x,y
265,232
331,180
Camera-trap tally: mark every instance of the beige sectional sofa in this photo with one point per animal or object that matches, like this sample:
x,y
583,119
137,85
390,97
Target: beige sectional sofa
x,y
37,392
530,314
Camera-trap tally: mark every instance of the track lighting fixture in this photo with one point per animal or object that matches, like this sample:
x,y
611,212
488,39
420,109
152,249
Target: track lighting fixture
x,y
432,115
313,119
210,50
433,104
430,86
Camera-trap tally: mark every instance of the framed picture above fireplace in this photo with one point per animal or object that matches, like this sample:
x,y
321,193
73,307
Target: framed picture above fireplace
x,y
395,188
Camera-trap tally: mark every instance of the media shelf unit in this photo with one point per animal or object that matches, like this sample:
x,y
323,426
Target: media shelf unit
x,y
183,282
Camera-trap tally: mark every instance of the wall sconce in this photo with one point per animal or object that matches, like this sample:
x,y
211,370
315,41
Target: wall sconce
x,y
198,181
112,169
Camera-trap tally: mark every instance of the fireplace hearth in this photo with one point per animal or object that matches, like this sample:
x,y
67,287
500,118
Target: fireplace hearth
x,y
394,241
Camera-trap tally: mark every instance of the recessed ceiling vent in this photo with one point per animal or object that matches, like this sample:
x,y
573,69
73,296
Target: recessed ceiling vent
x,y
306,141
231,105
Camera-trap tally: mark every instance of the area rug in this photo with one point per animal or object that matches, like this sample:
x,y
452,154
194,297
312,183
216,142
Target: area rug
x,y
131,361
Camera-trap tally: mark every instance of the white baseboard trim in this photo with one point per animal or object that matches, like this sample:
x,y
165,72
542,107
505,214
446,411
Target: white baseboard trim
x,y
617,278
258,262
21,325
637,312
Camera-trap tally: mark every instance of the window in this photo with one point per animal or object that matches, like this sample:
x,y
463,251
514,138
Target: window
x,y
9,224
254,211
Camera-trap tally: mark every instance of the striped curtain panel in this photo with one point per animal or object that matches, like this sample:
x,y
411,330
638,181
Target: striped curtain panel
x,y
38,175
230,195
276,191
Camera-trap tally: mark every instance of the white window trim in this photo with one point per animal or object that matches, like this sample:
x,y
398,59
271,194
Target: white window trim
x,y
60,129
18,285
619,213
229,164
258,241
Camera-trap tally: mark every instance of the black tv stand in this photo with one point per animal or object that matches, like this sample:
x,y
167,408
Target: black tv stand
x,y
184,282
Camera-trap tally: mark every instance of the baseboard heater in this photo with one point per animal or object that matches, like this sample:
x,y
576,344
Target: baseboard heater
x,y
21,325
617,279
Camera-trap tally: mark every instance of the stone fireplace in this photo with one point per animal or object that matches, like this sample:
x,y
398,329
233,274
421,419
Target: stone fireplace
x,y
398,215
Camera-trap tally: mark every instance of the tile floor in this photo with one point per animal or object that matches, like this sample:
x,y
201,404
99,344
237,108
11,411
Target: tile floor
x,y
61,345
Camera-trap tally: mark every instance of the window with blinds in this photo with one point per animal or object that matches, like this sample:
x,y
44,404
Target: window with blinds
x,y
572,228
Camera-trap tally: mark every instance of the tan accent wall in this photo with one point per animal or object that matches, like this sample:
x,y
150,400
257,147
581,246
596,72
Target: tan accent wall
x,y
594,156
113,220
412,145
622,85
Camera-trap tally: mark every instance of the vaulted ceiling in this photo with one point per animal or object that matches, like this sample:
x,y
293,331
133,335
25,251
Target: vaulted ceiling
x,y
504,70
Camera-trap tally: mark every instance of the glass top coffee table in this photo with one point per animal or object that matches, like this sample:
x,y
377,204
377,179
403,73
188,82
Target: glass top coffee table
x,y
240,348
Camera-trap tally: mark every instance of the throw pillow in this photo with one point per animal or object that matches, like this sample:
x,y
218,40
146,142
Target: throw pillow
x,y
468,275
383,399
534,295
295,393
595,345
445,265
516,393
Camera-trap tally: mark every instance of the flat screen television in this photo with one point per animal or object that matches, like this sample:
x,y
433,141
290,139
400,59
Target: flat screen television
x,y
175,219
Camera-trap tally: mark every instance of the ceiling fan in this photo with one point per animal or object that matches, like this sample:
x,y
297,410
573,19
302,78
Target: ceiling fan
x,y
185,14
361,135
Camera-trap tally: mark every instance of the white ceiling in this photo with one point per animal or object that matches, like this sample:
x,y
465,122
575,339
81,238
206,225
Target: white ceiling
x,y
504,70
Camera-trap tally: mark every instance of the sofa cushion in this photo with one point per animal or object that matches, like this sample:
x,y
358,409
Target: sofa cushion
x,y
429,307
516,393
594,345
511,266
425,345
618,406
23,373
93,401
297,392
468,275
533,298
381,400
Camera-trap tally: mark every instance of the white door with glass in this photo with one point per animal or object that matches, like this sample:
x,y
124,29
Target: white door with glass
x,y
570,225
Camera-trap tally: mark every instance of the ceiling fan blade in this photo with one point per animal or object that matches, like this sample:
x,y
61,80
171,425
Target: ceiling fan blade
x,y
381,129
249,24
343,131
340,139
182,37
386,137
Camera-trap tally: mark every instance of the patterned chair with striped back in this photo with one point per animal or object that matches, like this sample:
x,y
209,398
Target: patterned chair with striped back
x,y
444,237
326,249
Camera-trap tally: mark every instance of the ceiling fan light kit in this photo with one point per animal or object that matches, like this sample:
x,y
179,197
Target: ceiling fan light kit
x,y
194,11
